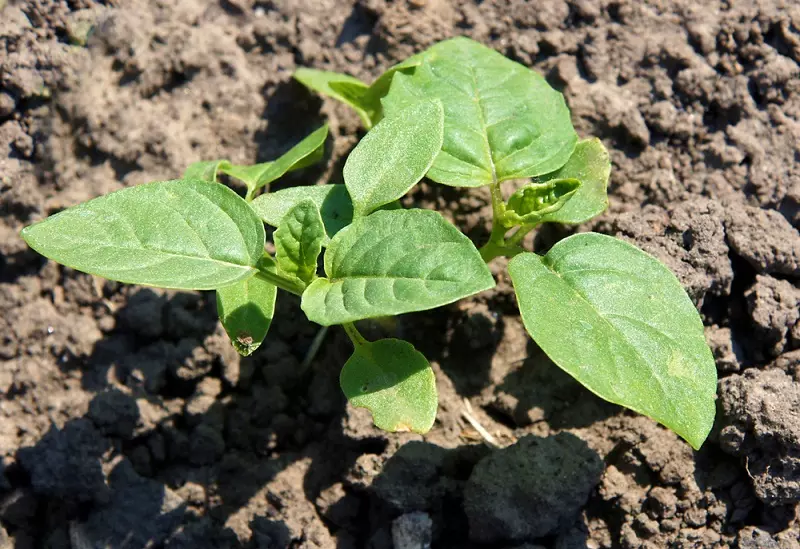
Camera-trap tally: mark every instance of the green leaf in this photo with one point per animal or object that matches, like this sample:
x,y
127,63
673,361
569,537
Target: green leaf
x,y
309,151
393,156
298,241
394,382
370,99
184,234
305,153
502,120
321,82
366,100
591,165
206,170
620,323
529,204
249,175
394,262
332,201
246,309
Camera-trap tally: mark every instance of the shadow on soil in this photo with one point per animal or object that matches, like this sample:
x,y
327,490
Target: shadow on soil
x,y
183,441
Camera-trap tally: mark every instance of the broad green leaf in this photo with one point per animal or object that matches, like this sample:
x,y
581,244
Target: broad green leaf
x,y
502,120
620,323
332,201
591,165
246,309
529,204
394,382
298,241
206,170
183,234
394,262
320,82
393,156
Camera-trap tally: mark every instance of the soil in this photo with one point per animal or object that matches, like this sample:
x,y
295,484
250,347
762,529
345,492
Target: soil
x,y
129,421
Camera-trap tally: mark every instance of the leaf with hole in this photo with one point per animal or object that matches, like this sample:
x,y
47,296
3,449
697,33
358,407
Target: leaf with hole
x,y
620,323
394,262
332,201
591,165
394,382
502,120
183,234
246,309
298,241
394,156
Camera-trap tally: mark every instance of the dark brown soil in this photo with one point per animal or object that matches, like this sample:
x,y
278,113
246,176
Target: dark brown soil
x,y
127,419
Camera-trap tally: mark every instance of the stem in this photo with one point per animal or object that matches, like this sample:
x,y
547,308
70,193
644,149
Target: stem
x,y
521,233
282,282
314,348
495,247
355,336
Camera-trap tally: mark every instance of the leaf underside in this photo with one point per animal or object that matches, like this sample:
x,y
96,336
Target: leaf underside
x,y
394,382
394,262
620,323
502,120
183,234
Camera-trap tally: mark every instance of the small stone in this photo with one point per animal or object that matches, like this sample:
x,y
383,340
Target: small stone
x,y
7,104
530,489
412,531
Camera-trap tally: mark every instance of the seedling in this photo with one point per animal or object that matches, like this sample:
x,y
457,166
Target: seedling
x,y
463,115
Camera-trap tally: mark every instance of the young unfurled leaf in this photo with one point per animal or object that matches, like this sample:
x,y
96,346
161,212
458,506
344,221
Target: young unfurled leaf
x,y
394,382
618,321
256,176
529,204
332,201
591,165
366,100
184,234
206,170
298,241
246,309
502,120
394,156
394,262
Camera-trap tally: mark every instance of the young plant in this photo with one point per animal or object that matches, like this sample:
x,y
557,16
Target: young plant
x,y
463,115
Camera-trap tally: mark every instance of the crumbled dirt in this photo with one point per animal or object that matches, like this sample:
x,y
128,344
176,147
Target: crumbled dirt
x,y
128,419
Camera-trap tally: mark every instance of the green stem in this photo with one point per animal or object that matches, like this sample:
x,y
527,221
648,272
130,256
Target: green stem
x,y
496,247
522,232
355,336
282,282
